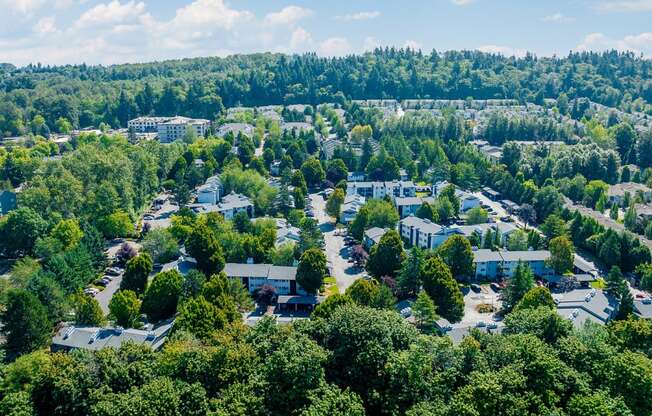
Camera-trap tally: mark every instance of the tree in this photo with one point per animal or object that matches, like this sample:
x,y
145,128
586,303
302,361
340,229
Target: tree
x,y
124,308
456,252
330,305
87,310
25,323
517,241
161,298
334,203
427,212
645,273
313,172
375,213
561,254
535,298
136,273
337,171
625,137
554,226
311,270
200,317
543,322
439,284
161,245
425,312
330,400
205,249
21,229
409,278
265,295
363,292
615,282
387,256
68,233
477,215
116,224
631,219
614,212
520,283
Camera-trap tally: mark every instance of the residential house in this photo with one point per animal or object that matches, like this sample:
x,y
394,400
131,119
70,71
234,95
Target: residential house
x,y
372,237
286,233
581,305
70,338
498,264
617,192
253,276
350,207
7,202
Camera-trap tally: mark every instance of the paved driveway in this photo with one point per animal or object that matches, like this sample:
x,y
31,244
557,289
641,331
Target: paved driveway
x,y
336,252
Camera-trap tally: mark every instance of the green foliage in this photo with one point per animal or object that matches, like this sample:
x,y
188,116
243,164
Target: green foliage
x,y
425,312
439,284
200,317
330,400
562,254
477,215
20,230
311,270
387,256
25,323
204,247
330,305
334,203
543,321
162,295
87,310
125,308
313,172
456,252
136,273
521,283
161,245
517,241
535,298
409,278
375,213
363,292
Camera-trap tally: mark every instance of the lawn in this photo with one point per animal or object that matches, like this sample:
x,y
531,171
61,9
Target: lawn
x,y
598,284
330,286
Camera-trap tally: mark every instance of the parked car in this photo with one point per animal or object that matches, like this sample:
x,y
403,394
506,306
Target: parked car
x,y
481,324
406,312
113,271
101,282
496,287
475,288
148,217
492,325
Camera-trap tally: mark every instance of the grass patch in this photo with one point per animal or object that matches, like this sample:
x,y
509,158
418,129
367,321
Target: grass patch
x,y
598,284
330,280
486,308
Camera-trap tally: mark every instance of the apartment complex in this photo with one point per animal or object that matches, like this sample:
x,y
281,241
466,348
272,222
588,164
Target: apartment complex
x,y
169,129
378,190
254,276
498,264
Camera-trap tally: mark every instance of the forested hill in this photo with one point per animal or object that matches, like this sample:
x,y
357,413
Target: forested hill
x,y
199,87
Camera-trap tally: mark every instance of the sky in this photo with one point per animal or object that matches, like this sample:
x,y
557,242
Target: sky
x,y
121,31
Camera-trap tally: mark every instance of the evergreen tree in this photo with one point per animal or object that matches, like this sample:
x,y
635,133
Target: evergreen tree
x,y
438,282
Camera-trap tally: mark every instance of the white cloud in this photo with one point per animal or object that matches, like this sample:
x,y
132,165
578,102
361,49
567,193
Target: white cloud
x,y
45,25
412,44
558,18
111,13
462,2
288,15
502,50
336,46
359,16
301,40
370,43
23,7
640,43
625,6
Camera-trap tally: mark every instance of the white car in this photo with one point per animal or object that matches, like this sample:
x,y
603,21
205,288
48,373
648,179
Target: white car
x,y
406,312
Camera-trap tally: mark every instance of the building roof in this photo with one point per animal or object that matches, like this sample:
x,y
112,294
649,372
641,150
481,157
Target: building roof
x,y
299,300
233,201
504,228
486,255
375,234
632,188
235,128
591,304
95,338
268,271
423,225
408,201
642,309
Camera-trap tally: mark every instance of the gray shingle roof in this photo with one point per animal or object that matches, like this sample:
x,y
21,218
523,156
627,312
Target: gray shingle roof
x,y
268,271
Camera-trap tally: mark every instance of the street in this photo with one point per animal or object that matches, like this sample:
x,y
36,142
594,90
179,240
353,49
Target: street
x,y
104,297
162,215
336,251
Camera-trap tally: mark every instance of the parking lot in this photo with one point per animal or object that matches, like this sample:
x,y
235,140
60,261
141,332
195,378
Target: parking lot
x,y
159,216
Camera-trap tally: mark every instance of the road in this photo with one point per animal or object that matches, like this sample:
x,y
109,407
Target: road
x,y
336,251
259,150
104,297
162,216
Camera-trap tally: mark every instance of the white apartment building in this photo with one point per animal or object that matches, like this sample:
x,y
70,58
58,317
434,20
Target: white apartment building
x,y
175,128
378,190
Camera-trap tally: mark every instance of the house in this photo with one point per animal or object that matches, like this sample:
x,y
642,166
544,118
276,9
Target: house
x,y
175,128
378,190
7,202
498,264
210,191
235,129
581,305
70,338
350,207
372,237
616,193
253,276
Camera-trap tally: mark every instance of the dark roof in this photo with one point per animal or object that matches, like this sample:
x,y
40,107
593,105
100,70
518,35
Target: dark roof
x,y
300,300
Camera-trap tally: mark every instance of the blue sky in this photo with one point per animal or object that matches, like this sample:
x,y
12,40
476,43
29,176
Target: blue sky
x,y
118,31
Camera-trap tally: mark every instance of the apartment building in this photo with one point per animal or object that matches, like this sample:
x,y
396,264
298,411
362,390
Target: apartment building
x,y
378,190
502,264
254,276
175,128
